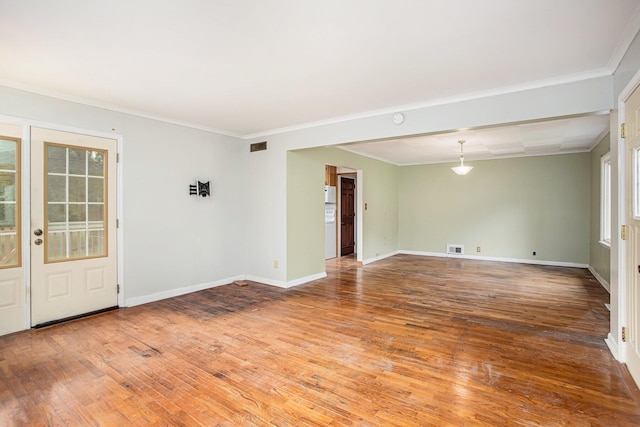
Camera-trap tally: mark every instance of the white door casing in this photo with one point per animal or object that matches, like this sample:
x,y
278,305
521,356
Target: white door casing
x,y
632,203
73,214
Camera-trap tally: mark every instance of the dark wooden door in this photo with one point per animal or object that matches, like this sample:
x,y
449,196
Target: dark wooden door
x,y
347,216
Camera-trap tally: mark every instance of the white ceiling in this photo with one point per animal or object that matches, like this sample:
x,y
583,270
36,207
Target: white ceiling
x,y
569,135
253,67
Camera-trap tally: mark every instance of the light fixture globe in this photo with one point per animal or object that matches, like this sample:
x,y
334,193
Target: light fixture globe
x,y
462,169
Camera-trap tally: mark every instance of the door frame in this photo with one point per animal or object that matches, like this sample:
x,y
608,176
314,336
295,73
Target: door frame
x,y
359,206
619,284
26,201
359,216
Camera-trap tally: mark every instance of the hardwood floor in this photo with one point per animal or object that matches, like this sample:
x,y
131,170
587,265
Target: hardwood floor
x,y
404,341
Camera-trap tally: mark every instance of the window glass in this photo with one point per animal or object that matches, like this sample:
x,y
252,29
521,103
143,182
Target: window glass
x,y
605,199
74,198
9,202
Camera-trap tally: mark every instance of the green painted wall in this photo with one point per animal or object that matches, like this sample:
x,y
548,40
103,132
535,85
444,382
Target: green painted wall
x,y
600,256
305,215
305,207
509,208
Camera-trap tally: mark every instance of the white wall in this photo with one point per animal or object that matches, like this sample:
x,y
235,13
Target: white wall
x,y
266,217
173,242
267,203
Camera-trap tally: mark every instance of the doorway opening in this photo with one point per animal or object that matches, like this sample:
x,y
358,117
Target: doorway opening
x,y
347,211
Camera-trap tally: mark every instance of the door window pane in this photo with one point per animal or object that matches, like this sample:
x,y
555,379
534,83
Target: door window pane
x,y
77,161
96,242
56,187
96,189
77,242
77,216
75,202
56,214
77,189
96,215
8,182
56,244
9,202
57,160
96,163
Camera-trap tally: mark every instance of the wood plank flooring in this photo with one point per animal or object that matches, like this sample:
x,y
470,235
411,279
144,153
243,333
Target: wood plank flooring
x,y
406,341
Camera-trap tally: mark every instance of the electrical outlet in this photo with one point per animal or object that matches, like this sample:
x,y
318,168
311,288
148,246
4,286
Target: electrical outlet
x,y
534,253
275,263
478,249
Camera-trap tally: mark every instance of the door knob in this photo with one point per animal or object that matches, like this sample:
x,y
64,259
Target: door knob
x,y
38,242
37,232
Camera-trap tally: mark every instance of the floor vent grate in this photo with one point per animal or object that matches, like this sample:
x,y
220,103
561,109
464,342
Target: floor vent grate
x,y
455,249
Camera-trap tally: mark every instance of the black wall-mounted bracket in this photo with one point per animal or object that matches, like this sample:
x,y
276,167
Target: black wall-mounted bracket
x,y
202,189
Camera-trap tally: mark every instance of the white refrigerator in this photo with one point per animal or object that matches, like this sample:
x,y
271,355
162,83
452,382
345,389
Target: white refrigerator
x,y
329,230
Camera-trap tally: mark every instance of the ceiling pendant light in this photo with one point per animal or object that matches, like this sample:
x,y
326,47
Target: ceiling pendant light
x,y
462,169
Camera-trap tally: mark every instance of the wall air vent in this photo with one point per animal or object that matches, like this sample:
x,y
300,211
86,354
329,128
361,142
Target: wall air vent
x,y
455,249
258,146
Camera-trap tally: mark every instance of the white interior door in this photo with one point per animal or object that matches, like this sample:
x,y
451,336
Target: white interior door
x,y
632,119
73,225
12,289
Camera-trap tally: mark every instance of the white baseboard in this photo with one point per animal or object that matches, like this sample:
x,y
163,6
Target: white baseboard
x,y
270,282
498,259
613,347
379,257
423,253
600,279
306,279
131,302
290,283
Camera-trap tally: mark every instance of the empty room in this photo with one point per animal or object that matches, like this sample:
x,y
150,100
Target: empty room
x,y
311,213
